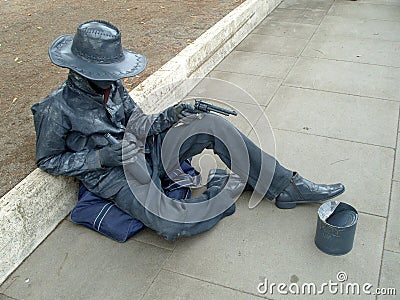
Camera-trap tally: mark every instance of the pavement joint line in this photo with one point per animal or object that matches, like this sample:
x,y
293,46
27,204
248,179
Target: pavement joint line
x,y
371,214
268,20
233,72
350,61
263,113
272,54
12,298
358,38
260,52
390,201
213,283
373,4
338,92
364,38
304,8
364,19
158,273
385,234
396,149
39,189
151,244
393,251
334,138
240,73
67,219
279,36
317,205
376,4
297,60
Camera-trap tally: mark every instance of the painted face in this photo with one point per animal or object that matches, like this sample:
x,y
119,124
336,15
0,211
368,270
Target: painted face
x,y
102,84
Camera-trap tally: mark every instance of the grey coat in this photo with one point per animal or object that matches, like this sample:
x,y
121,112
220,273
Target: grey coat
x,y
70,125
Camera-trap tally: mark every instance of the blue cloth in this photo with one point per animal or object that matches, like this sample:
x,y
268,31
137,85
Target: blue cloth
x,y
106,218
103,216
179,186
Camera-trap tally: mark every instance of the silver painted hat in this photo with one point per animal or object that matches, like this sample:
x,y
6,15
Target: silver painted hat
x,y
96,52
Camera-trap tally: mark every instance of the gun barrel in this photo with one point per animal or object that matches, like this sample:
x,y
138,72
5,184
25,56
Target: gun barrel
x,y
208,107
223,111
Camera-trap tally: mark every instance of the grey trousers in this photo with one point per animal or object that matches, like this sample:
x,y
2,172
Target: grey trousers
x,y
261,171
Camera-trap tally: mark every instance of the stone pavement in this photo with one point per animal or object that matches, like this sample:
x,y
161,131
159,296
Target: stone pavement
x,y
326,73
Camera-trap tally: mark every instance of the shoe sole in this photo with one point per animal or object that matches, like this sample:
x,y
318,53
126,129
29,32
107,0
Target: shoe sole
x,y
292,204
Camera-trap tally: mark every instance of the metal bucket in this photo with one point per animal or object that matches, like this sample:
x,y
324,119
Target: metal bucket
x,y
336,228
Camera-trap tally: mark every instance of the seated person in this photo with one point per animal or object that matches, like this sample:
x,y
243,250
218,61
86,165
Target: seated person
x,y
71,124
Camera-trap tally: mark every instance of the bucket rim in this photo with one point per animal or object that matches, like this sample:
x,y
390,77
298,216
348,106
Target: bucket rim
x,y
334,226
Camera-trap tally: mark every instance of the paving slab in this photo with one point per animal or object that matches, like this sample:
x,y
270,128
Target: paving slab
x,y
204,163
170,285
365,170
5,297
295,30
259,64
278,245
335,115
396,175
360,28
282,45
386,53
248,114
390,274
392,240
234,87
353,9
356,79
77,263
150,237
383,2
332,127
307,4
302,16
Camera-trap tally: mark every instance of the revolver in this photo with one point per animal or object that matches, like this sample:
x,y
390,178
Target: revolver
x,y
208,107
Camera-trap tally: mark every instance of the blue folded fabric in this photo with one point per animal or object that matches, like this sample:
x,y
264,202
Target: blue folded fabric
x,y
106,218
182,179
103,216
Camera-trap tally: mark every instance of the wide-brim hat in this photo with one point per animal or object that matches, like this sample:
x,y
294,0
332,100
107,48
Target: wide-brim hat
x,y
96,52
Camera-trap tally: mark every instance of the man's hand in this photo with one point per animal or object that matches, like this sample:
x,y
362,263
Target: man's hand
x,y
184,110
111,156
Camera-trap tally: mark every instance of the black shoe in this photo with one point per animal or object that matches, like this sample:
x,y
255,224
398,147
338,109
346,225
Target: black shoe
x,y
301,190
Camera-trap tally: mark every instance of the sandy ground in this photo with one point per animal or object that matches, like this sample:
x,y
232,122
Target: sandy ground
x,y
158,29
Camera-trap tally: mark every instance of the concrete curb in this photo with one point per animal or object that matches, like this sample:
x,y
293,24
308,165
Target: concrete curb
x,y
200,57
31,210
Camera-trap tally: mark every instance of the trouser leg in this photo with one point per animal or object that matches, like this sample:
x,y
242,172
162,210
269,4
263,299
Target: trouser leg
x,y
170,230
210,132
262,171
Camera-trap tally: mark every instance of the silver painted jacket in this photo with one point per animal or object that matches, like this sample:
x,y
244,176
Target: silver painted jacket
x,y
70,125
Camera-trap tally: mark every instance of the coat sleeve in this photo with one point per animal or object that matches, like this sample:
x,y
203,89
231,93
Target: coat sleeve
x,y
143,125
52,154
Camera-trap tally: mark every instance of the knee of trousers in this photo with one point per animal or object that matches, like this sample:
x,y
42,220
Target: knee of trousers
x,y
173,230
168,229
